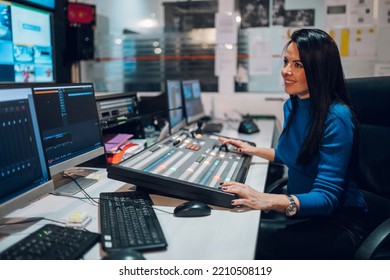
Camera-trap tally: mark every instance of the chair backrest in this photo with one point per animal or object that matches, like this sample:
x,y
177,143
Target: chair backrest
x,y
371,102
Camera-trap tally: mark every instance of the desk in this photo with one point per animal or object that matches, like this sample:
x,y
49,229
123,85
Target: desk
x,y
225,234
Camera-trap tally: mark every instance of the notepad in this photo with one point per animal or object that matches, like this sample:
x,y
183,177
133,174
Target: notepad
x,y
112,142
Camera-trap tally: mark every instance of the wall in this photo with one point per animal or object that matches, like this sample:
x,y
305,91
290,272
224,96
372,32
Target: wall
x,y
117,15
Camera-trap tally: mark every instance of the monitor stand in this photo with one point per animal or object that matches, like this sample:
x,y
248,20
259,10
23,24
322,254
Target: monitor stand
x,y
65,182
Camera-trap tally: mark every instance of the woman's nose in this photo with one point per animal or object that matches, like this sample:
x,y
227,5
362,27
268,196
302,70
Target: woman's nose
x,y
286,70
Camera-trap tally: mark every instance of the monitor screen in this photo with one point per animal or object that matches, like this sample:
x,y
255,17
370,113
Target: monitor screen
x,y
192,101
26,44
69,124
175,101
24,175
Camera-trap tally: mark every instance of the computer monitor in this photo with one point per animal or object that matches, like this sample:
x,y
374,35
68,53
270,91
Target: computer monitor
x,y
192,101
24,174
26,44
175,106
71,133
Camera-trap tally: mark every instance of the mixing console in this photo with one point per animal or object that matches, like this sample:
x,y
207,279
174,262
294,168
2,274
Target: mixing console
x,y
185,166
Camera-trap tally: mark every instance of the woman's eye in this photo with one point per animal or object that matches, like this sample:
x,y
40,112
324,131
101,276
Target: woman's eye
x,y
298,65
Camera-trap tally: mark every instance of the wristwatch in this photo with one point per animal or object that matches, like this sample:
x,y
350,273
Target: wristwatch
x,y
292,209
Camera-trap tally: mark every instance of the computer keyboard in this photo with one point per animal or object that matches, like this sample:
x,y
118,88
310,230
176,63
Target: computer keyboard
x,y
52,242
128,221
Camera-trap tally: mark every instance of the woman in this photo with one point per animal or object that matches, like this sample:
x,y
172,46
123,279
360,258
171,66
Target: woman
x,y
316,145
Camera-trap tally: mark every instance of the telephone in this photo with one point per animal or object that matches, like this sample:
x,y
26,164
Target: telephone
x,y
248,126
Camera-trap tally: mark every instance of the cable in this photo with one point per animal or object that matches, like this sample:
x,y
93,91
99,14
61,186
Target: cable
x,y
81,188
161,210
73,196
33,219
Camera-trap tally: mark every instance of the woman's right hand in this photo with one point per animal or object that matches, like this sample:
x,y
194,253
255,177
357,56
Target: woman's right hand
x,y
241,146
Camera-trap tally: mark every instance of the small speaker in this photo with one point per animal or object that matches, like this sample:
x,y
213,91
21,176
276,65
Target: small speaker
x,y
80,43
80,31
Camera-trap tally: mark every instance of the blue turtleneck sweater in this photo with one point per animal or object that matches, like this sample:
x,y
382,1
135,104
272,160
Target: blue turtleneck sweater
x,y
327,182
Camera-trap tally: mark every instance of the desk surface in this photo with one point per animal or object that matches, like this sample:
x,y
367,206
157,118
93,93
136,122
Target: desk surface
x,y
225,234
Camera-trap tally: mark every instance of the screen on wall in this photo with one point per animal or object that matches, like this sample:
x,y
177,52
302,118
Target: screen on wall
x,y
26,44
49,4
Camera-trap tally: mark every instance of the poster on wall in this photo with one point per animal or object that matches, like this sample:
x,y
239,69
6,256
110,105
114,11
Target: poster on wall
x,y
291,17
254,13
299,18
278,12
189,15
361,12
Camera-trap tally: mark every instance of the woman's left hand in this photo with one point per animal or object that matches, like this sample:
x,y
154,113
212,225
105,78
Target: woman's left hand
x,y
255,199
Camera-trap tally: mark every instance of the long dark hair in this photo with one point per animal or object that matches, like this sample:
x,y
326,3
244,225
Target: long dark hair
x,y
326,83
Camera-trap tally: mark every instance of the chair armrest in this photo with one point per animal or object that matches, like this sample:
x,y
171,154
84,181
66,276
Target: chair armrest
x,y
373,242
277,186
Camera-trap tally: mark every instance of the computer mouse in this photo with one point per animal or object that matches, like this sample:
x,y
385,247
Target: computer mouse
x,y
192,208
124,255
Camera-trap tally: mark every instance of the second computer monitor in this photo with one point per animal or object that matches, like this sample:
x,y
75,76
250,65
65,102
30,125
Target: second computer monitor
x,y
69,125
175,106
192,101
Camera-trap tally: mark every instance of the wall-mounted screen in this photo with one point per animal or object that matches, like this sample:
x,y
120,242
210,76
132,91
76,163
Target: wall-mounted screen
x,y
49,4
26,44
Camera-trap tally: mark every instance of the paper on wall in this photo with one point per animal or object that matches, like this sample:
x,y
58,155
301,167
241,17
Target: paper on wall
x,y
384,12
336,12
226,26
361,12
382,69
225,60
260,56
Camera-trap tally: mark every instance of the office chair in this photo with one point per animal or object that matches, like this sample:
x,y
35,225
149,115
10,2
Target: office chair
x,y
371,103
